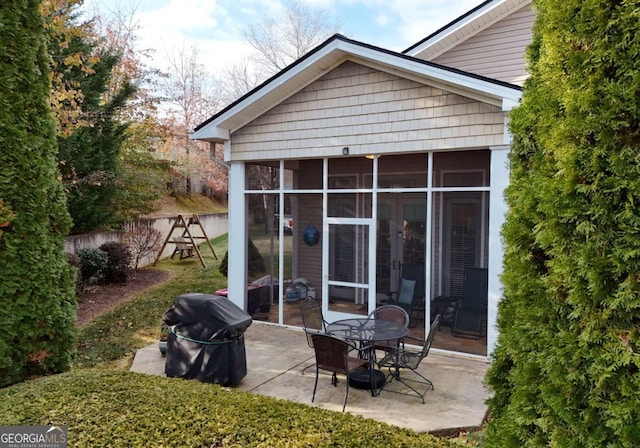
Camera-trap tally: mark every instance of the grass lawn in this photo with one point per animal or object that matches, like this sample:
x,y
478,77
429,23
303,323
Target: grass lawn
x,y
103,404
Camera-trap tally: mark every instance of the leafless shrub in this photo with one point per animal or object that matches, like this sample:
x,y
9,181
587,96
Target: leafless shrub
x,y
142,240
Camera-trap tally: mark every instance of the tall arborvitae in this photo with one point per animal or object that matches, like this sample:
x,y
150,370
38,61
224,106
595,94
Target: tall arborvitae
x,y
37,311
565,370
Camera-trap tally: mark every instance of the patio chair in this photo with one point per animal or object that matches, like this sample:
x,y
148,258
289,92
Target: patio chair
x,y
391,313
470,319
312,321
332,355
410,294
407,359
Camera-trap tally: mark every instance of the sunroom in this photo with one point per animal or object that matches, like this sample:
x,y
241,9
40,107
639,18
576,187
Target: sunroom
x,y
366,176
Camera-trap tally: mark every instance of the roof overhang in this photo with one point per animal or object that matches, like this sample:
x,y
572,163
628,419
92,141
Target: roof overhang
x,y
465,26
334,52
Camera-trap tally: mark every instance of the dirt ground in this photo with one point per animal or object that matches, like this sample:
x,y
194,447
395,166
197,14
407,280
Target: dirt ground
x,y
100,298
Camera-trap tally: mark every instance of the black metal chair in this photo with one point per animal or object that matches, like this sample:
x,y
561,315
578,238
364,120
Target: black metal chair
x,y
312,321
407,359
471,314
411,290
391,313
332,355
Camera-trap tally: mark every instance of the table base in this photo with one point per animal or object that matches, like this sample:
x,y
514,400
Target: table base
x,y
359,379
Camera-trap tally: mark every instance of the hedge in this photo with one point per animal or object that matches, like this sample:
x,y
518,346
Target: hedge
x,y
116,408
36,281
566,367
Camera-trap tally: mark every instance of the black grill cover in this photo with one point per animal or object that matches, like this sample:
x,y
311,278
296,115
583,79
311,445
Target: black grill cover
x,y
207,341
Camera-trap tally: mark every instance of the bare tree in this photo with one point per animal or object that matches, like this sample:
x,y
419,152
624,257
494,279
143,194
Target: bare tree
x,y
280,41
238,79
277,43
192,94
142,241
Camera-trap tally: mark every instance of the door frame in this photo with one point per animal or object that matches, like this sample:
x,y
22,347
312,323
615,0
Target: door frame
x,y
397,202
370,266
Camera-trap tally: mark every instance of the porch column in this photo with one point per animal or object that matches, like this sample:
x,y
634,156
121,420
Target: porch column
x,y
237,263
497,211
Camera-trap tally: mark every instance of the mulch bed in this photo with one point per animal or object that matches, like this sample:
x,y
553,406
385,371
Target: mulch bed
x,y
99,298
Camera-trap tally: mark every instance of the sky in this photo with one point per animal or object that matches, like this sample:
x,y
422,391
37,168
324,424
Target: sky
x,y
214,27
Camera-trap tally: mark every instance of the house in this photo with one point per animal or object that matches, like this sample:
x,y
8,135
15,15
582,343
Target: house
x,y
397,160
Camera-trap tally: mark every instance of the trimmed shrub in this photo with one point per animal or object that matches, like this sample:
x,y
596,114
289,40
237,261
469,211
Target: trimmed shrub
x,y
123,409
566,369
92,265
37,316
118,263
224,265
255,263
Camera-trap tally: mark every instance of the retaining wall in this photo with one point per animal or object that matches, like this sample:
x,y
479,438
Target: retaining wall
x,y
215,224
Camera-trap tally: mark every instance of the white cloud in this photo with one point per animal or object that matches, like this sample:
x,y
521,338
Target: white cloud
x,y
213,26
171,24
383,19
400,23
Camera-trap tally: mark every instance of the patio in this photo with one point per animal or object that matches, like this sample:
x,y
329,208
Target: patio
x,y
277,355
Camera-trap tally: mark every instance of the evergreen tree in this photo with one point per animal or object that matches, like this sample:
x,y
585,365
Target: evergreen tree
x,y
37,316
565,370
89,143
90,153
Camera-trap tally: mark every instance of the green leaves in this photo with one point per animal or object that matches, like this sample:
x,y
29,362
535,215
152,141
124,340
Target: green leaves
x,y
566,367
36,281
119,408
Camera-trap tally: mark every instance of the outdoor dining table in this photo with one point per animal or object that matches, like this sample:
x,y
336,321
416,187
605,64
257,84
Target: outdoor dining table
x,y
366,332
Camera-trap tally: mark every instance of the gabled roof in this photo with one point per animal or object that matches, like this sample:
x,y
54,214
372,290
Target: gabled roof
x,y
465,26
332,53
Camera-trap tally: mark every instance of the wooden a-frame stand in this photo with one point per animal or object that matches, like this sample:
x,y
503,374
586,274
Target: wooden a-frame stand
x,y
185,244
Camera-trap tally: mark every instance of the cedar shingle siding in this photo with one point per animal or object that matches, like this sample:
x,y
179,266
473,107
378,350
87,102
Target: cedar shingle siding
x,y
497,51
357,106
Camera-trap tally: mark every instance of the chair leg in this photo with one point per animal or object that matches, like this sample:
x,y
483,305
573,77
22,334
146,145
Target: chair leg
x,y
395,375
426,381
346,395
412,319
316,384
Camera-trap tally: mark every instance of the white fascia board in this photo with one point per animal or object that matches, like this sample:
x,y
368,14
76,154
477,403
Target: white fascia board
x,y
467,27
447,33
510,103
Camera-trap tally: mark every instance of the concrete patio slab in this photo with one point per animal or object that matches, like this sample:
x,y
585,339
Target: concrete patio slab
x,y
277,355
